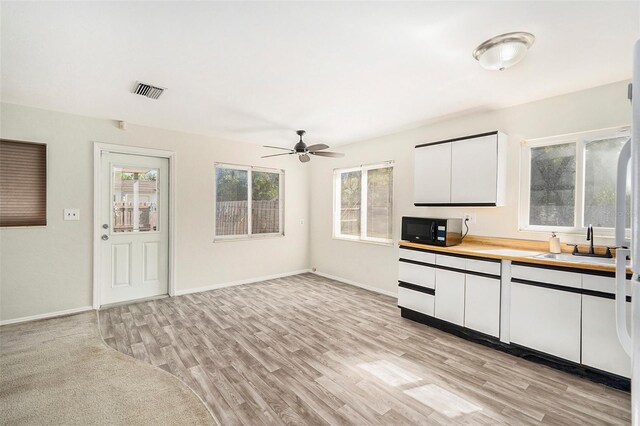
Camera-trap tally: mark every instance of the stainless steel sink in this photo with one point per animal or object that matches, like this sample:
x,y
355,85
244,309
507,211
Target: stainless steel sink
x,y
565,257
509,252
554,256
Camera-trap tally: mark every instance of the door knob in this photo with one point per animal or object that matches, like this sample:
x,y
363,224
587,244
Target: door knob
x,y
105,226
104,237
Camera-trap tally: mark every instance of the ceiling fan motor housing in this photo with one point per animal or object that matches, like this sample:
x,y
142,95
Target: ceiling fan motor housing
x,y
300,147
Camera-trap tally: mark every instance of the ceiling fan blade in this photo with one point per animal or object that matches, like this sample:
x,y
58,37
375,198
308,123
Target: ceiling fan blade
x,y
317,147
275,155
304,158
276,147
328,154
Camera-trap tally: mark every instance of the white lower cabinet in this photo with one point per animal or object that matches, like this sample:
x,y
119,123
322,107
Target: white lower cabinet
x,y
601,348
450,296
547,320
563,313
482,304
415,300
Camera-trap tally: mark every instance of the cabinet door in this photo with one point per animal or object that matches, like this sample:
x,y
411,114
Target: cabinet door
x,y
546,320
601,348
474,170
432,174
416,274
482,304
450,296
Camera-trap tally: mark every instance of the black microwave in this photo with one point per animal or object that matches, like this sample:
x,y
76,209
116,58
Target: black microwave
x,y
436,232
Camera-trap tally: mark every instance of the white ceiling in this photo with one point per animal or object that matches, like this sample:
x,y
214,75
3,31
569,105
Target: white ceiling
x,y
255,72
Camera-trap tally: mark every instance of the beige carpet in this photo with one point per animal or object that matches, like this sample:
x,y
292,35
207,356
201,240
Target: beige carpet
x,y
60,372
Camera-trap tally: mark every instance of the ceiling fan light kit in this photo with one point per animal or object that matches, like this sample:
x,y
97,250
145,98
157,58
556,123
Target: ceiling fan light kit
x,y
303,151
503,51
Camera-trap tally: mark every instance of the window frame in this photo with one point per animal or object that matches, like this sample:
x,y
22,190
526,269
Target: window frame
x,y
337,187
249,235
579,140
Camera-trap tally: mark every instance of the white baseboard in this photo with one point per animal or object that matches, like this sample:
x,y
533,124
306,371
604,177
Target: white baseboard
x,y
207,288
47,315
240,282
357,284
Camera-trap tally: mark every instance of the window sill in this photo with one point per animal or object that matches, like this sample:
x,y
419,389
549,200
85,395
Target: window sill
x,y
354,240
247,238
4,228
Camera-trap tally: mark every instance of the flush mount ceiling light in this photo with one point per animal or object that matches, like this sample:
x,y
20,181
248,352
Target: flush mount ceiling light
x,y
503,51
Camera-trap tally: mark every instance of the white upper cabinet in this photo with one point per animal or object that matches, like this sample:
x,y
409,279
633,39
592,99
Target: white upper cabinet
x,y
474,165
432,173
463,171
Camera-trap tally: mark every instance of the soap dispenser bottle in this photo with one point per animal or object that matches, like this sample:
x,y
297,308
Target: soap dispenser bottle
x,y
554,244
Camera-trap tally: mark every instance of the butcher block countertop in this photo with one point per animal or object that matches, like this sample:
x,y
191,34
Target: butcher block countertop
x,y
518,251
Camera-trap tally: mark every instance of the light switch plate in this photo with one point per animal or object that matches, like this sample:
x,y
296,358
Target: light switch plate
x,y
71,214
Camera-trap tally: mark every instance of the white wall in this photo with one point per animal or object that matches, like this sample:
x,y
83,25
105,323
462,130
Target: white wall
x,y
49,269
376,265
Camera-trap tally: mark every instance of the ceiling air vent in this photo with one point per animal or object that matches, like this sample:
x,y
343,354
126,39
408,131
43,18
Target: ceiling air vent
x,y
144,89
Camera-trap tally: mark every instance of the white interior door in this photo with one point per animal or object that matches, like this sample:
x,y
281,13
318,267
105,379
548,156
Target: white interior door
x,y
134,227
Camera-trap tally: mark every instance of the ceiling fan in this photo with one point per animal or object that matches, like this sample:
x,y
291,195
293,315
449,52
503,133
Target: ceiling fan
x,y
303,150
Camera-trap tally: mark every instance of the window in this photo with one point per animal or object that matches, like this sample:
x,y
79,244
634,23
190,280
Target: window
x,y
363,203
553,185
135,198
249,202
570,182
23,184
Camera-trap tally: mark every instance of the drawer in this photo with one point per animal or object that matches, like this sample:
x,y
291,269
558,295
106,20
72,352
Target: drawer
x,y
450,261
482,266
416,301
549,276
604,284
421,275
418,256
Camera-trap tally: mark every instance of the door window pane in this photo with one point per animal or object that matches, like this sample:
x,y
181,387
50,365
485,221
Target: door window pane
x,y
265,202
379,202
601,165
553,177
350,200
231,201
135,199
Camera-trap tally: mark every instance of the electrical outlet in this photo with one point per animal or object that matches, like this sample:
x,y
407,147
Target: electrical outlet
x,y
470,216
71,214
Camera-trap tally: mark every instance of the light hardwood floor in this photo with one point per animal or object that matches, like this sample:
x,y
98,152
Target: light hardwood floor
x,y
308,350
